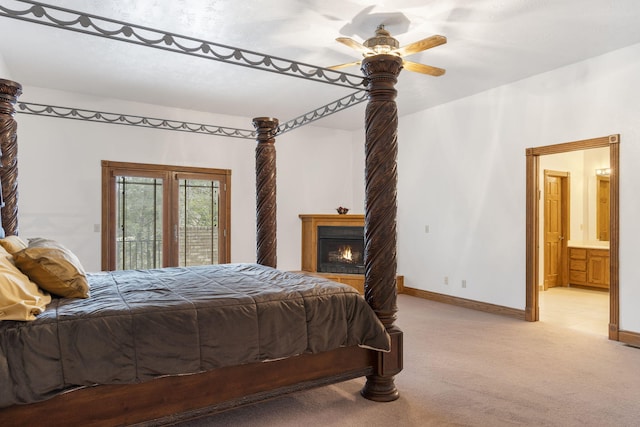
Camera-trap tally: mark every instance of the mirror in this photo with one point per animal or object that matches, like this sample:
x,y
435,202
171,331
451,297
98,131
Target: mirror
x,y
602,207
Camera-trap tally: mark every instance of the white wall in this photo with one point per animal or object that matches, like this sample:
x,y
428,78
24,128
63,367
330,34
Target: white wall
x,y
59,171
358,144
462,172
4,70
314,177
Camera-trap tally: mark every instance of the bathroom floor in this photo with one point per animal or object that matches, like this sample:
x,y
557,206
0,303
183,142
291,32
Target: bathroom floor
x,y
576,308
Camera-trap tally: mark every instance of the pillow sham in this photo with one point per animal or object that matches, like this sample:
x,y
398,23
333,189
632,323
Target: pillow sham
x,y
20,298
54,268
13,244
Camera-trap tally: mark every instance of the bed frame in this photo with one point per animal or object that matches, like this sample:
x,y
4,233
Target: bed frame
x,y
173,399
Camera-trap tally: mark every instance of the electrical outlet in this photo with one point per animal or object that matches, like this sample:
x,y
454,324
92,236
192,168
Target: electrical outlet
x,y
464,283
446,280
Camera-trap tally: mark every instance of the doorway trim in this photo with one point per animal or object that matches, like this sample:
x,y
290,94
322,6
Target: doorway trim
x,y
532,308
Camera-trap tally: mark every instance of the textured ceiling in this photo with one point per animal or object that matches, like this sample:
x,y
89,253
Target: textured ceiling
x,y
490,43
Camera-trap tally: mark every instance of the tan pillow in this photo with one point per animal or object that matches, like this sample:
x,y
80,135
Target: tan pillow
x,y
54,268
20,298
13,244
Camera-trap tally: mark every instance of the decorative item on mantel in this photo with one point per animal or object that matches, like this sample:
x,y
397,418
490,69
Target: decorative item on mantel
x,y
342,211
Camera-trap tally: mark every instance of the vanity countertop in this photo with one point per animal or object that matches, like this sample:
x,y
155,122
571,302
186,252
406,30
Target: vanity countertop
x,y
588,244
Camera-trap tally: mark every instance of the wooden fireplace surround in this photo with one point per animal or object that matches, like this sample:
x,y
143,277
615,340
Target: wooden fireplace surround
x,y
309,258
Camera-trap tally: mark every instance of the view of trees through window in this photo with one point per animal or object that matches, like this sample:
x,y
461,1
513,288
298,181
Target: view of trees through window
x,y
198,230
139,219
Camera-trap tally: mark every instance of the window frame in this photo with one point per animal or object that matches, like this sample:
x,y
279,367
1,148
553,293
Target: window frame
x,y
170,176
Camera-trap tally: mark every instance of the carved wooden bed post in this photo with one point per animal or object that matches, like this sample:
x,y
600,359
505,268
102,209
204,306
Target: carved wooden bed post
x,y
266,128
381,177
9,93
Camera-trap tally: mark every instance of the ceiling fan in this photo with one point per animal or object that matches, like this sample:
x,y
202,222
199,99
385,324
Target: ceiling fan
x,y
383,43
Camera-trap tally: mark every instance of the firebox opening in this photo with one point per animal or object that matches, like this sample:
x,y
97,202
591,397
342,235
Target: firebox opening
x,y
340,249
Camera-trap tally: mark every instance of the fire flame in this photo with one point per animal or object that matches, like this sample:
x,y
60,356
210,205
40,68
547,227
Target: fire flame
x,y
346,253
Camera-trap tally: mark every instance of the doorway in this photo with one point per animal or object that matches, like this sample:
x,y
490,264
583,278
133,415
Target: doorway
x,y
532,310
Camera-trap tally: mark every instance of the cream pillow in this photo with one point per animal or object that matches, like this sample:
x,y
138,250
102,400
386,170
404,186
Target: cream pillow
x,y
20,298
13,244
54,268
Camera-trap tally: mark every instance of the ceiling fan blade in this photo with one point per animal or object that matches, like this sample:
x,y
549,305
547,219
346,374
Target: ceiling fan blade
x,y
421,45
354,45
348,64
424,69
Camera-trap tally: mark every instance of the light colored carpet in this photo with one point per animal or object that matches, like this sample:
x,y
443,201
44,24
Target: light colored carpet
x,y
468,368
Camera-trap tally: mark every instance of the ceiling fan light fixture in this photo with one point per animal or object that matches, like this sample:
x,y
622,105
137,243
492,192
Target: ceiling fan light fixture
x,y
382,42
381,49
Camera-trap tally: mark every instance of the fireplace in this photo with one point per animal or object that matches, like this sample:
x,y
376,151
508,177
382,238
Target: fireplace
x,y
340,249
326,242
320,248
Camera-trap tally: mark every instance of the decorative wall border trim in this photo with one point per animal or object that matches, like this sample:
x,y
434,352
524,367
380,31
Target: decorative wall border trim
x,y
71,20
175,125
466,303
326,110
130,120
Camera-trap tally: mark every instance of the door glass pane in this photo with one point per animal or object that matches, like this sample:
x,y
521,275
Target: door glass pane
x,y
198,222
139,219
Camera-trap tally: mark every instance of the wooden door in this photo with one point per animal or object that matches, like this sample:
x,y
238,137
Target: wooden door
x,y
555,227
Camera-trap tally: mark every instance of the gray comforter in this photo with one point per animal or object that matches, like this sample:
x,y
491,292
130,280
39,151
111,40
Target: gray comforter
x,y
138,325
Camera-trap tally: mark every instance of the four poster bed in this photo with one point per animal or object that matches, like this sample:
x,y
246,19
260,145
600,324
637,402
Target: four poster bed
x,y
363,341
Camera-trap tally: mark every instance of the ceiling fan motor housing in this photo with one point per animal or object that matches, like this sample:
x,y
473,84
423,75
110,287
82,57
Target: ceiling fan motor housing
x,y
382,42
